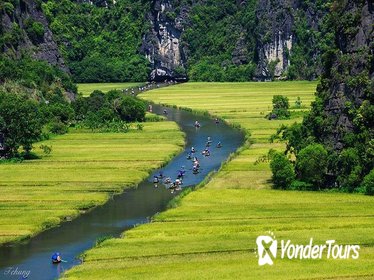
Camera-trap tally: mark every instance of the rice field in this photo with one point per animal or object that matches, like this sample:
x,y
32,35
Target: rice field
x,y
81,172
88,88
212,231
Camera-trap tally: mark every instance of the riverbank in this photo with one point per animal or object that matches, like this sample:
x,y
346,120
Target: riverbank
x,y
212,233
83,170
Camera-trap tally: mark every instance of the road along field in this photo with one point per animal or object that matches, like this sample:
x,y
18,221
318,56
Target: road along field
x,y
212,232
87,89
82,171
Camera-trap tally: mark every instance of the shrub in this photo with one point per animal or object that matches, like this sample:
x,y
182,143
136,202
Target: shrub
x,y
368,183
57,127
280,108
311,164
301,186
46,149
20,123
283,171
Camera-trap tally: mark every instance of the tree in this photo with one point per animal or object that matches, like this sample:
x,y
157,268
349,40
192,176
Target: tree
x,y
131,109
368,183
311,164
20,123
283,171
280,107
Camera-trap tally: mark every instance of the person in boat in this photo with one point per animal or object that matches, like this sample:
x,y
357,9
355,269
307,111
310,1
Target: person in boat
x,y
167,180
195,170
197,124
206,152
216,120
155,181
161,175
56,258
196,163
180,174
189,156
219,145
193,150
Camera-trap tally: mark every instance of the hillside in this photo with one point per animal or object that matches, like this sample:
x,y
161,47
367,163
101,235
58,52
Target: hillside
x,y
29,57
108,41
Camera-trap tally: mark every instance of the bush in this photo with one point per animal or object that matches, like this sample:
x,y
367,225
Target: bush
x,y
301,186
35,30
280,108
131,109
46,149
57,127
283,171
20,123
368,183
311,164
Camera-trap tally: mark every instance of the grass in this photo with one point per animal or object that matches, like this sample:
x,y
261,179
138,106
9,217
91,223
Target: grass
x,y
212,232
87,89
81,172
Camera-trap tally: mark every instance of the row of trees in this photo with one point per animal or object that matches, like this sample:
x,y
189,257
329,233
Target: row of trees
x,y
24,121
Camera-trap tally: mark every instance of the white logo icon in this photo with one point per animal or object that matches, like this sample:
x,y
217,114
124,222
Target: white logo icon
x,y
266,249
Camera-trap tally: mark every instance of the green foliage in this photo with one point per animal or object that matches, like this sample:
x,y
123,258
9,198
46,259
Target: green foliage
x,y
34,30
283,171
20,122
46,149
311,165
280,108
368,183
100,44
223,24
57,127
111,111
35,74
345,126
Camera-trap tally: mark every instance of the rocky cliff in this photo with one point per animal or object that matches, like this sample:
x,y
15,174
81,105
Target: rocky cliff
x,y
348,78
275,37
27,30
162,44
282,33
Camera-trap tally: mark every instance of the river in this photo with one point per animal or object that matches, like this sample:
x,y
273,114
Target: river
x,y
135,206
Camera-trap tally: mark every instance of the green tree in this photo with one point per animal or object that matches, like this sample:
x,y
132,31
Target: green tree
x,y
368,183
20,123
280,107
311,164
283,171
131,109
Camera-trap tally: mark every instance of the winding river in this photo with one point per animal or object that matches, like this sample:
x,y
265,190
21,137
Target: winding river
x,y
122,212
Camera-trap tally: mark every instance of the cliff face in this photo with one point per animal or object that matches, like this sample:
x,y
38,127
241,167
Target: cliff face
x,y
162,44
268,41
34,35
348,78
275,37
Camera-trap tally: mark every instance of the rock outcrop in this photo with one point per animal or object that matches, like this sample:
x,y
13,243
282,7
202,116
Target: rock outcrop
x,y
162,45
27,17
349,76
275,37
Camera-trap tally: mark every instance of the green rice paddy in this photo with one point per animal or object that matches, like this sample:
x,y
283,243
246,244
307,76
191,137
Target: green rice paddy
x,y
212,232
81,172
